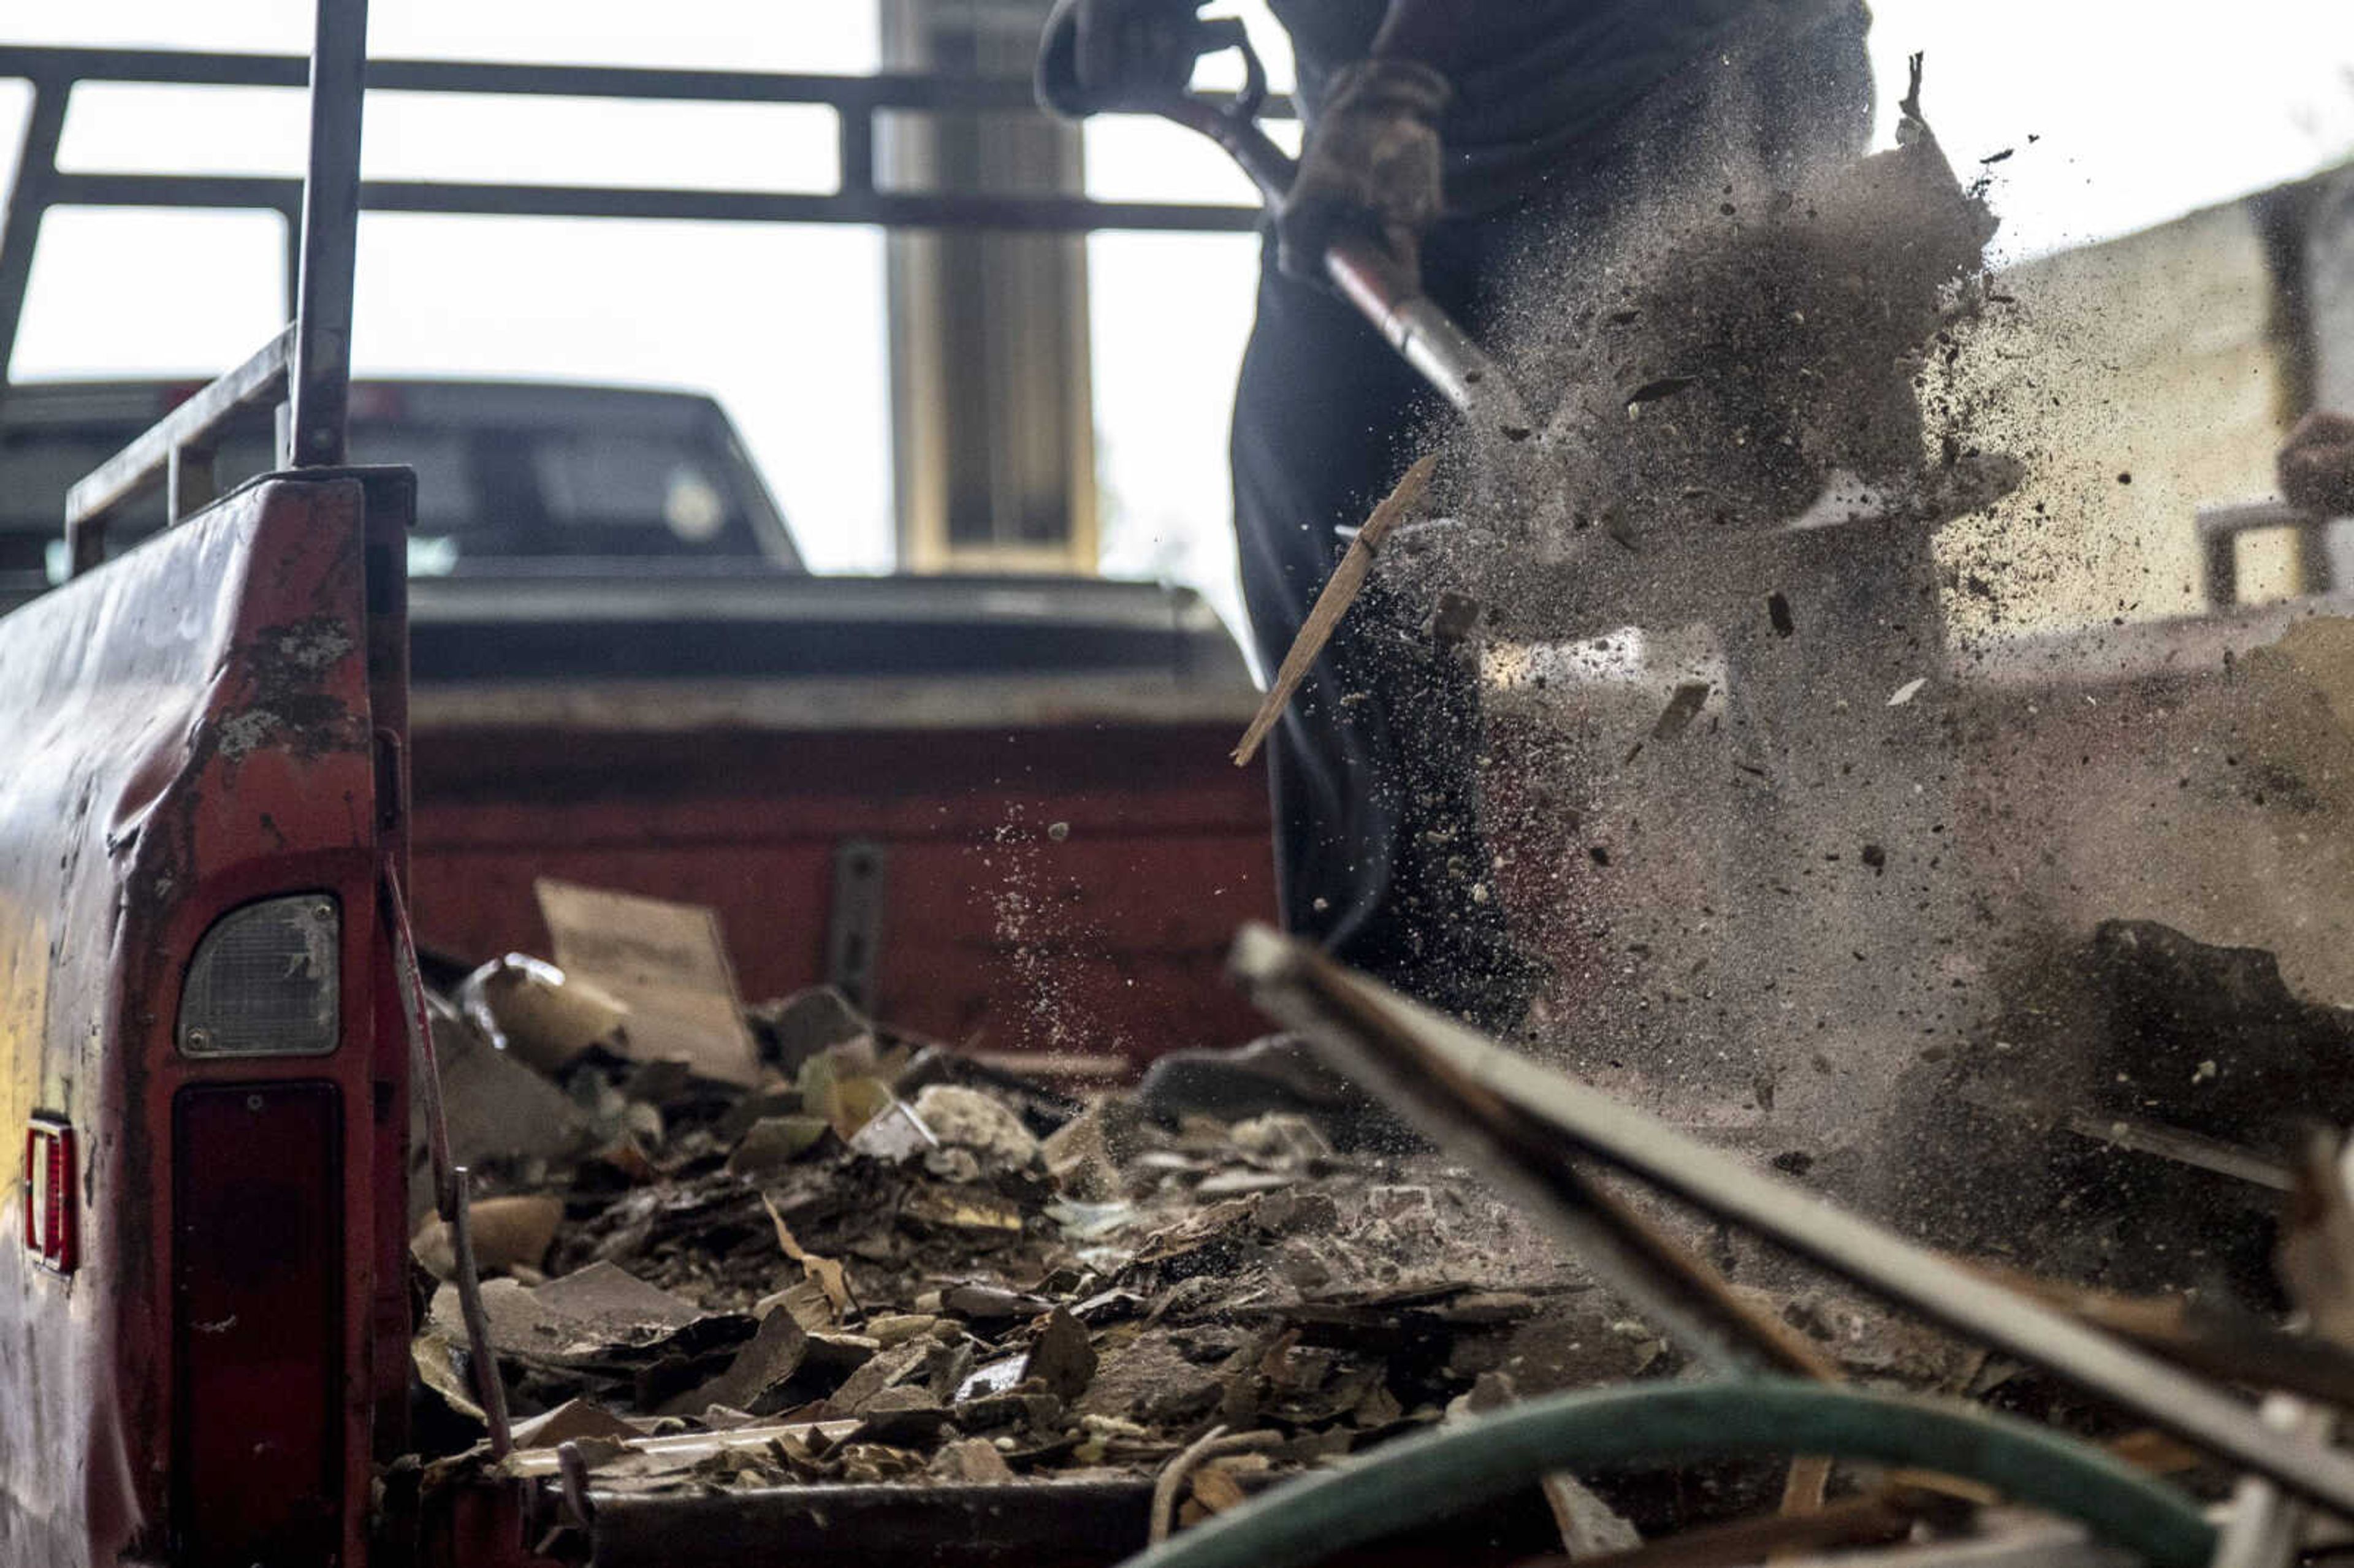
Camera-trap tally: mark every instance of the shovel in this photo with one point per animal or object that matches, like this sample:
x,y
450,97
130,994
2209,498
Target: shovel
x,y
1409,322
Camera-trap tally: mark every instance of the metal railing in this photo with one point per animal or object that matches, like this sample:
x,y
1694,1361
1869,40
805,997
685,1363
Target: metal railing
x,y
310,362
858,101
2219,528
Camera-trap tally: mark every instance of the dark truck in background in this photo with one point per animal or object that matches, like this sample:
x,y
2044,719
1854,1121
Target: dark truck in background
x,y
623,675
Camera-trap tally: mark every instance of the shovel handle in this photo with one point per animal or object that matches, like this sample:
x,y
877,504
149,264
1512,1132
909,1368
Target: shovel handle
x,y
1424,334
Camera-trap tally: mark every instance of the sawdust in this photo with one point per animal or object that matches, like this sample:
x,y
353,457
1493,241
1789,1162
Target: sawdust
x,y
1721,370
1802,836
1711,796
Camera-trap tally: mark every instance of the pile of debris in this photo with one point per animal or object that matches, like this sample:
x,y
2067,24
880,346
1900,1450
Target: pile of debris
x,y
799,1256
879,1259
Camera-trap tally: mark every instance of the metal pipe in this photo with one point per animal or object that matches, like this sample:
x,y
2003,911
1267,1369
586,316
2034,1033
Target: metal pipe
x,y
320,382
36,172
889,209
1303,988
922,92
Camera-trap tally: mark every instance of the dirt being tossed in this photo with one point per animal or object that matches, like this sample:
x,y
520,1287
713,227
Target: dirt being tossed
x,y
1711,806
1738,344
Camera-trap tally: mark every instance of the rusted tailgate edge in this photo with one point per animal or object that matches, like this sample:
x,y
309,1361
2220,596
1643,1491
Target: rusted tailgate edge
x,y
830,704
189,727
1081,1522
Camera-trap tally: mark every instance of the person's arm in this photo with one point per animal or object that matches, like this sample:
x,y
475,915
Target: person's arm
x,y
1371,166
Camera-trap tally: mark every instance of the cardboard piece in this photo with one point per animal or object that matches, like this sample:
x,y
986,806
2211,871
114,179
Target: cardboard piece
x,y
569,1422
614,1301
665,963
497,1110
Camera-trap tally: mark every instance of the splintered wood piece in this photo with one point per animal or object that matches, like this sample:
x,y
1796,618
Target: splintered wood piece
x,y
1339,592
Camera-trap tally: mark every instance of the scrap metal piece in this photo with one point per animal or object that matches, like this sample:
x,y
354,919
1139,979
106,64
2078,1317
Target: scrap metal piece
x,y
2265,1525
2194,1150
1402,1047
573,1470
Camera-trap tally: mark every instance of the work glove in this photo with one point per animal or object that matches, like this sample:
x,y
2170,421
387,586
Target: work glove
x,y
1106,55
1370,169
2317,466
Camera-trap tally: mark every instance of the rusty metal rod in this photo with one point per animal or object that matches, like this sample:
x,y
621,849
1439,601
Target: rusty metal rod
x,y
419,1021
452,1185
480,1352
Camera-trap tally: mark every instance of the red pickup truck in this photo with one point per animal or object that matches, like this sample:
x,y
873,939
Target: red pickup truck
x,y
996,807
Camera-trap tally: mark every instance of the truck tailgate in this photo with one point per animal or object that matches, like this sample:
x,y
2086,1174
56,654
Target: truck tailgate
x,y
195,732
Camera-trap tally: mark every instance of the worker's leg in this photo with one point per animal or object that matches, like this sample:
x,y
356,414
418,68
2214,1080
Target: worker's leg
x,y
1376,833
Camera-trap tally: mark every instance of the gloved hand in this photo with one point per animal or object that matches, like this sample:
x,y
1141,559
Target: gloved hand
x,y
2317,466
1099,54
1370,167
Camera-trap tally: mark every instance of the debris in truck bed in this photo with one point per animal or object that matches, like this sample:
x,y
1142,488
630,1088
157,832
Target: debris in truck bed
x,y
665,963
911,1266
883,1262
2147,1094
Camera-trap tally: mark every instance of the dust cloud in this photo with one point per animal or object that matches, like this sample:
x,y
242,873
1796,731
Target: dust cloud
x,y
1809,813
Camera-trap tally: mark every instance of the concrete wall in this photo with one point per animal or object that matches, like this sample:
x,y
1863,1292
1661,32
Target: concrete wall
x,y
2163,356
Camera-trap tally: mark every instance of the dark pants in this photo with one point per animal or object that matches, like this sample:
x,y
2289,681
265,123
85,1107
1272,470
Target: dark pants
x,y
1378,852
1376,839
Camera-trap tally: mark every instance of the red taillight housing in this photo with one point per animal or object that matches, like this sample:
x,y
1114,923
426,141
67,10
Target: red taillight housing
x,y
257,1284
52,1214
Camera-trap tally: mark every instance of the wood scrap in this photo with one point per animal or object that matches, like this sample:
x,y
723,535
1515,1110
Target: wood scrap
x,y
1340,591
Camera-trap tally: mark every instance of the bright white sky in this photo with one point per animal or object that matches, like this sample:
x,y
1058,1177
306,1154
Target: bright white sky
x,y
2141,112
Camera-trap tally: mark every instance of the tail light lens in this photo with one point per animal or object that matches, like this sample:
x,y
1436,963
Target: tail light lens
x,y
52,1215
266,982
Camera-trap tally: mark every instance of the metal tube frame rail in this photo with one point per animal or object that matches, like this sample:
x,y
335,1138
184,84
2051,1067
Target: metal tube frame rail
x,y
309,361
858,103
177,448
2220,527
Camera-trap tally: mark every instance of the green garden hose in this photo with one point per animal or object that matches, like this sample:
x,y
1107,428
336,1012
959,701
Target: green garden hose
x,y
1443,1473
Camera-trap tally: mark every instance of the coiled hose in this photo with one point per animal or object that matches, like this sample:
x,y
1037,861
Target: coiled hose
x,y
1443,1473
